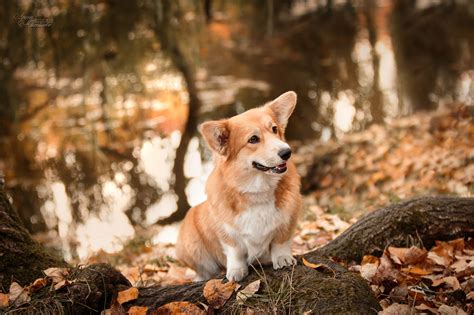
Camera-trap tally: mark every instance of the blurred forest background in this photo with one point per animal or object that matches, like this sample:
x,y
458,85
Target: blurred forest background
x,y
100,100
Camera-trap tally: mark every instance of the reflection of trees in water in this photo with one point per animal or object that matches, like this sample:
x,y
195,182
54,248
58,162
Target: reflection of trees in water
x,y
432,48
103,46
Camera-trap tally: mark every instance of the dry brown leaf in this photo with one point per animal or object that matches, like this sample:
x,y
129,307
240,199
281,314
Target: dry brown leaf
x,y
407,256
178,308
17,294
248,291
3,300
470,296
450,281
56,274
396,309
137,310
217,293
37,284
459,265
443,253
61,284
368,271
386,271
127,295
424,307
450,310
458,244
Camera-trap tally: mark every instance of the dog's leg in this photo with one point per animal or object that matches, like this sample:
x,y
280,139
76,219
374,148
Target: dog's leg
x,y
281,254
236,265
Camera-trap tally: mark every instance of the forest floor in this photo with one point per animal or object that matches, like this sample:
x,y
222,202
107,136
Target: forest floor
x,y
423,154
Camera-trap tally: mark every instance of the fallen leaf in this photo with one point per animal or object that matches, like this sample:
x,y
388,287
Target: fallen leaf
x,y
3,300
56,274
417,271
127,295
310,264
248,291
396,309
217,293
386,271
459,265
137,310
470,295
458,244
17,294
407,256
368,271
443,253
369,259
450,281
178,308
316,266
37,284
61,284
424,307
450,310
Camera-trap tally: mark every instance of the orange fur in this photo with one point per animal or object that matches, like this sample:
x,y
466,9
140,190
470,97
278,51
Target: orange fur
x,y
218,232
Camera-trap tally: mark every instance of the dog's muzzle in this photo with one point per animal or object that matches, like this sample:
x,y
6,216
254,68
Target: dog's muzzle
x,y
281,168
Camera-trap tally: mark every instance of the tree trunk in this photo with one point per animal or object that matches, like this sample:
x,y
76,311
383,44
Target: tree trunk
x,y
170,46
21,258
331,290
424,220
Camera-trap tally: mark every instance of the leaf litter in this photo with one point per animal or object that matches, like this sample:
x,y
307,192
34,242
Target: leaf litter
x,y
438,281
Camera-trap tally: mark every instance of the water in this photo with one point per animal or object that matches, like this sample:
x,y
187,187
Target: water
x,y
89,153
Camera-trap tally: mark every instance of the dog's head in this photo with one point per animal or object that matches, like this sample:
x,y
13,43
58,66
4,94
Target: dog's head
x,y
254,140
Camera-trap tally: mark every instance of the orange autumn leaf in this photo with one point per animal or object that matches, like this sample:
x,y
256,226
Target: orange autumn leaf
x,y
3,300
127,295
369,259
217,293
416,271
443,253
178,308
37,284
310,264
137,310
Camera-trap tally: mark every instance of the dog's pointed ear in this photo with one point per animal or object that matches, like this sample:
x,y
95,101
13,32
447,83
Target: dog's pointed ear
x,y
216,133
283,107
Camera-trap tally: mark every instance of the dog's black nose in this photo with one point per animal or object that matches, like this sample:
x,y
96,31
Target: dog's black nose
x,y
285,154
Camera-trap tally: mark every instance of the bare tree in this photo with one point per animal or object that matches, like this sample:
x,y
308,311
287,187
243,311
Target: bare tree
x,y
164,10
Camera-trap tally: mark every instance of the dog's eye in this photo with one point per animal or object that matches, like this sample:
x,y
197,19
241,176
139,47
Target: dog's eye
x,y
254,139
274,129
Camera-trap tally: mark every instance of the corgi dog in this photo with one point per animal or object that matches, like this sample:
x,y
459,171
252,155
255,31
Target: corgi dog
x,y
253,196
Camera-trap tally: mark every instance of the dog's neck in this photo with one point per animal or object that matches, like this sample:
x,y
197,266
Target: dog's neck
x,y
258,184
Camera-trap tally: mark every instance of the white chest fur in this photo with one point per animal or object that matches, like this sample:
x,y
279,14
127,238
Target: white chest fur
x,y
255,228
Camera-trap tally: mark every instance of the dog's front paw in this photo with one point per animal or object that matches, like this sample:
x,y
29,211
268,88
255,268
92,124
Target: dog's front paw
x,y
237,274
283,261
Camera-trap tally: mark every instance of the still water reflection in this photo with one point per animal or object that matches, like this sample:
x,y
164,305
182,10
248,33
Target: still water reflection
x,y
91,153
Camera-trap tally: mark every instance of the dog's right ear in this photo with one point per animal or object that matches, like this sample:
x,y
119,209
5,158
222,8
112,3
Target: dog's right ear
x,y
216,133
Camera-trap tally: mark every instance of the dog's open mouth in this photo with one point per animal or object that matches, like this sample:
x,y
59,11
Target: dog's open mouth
x,y
281,168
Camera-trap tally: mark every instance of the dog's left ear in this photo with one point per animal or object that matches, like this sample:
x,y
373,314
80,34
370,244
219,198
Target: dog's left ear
x,y
283,106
